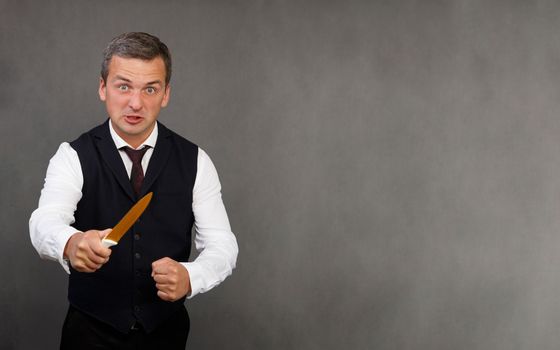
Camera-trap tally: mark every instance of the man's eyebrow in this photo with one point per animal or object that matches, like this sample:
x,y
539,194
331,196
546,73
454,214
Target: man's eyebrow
x,y
154,82
118,77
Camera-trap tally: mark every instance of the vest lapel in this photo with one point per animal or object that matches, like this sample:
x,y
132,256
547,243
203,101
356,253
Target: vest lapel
x,y
159,158
111,156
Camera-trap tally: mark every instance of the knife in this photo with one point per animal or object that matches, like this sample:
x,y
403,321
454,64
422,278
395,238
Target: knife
x,y
127,221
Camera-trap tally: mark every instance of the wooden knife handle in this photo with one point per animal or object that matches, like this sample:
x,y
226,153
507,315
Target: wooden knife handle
x,y
107,243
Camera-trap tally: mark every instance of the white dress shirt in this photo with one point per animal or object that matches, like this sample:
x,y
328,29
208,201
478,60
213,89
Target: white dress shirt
x,y
50,224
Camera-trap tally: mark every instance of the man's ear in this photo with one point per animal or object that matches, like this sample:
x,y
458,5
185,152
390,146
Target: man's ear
x,y
102,89
166,94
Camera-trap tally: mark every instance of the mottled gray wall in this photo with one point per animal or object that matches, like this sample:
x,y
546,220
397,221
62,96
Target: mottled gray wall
x,y
391,168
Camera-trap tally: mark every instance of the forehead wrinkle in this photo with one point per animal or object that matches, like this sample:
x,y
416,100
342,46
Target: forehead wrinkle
x,y
136,72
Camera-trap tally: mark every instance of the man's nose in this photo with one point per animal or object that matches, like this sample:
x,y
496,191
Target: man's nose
x,y
135,102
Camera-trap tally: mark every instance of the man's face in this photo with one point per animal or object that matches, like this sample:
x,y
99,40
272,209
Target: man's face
x,y
134,93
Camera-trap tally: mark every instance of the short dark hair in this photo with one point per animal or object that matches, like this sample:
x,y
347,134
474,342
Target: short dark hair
x,y
136,45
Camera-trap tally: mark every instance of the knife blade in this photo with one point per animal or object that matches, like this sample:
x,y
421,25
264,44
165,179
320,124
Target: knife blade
x,y
127,221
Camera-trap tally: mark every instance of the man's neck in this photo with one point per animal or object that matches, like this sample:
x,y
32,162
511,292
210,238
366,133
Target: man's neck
x,y
133,141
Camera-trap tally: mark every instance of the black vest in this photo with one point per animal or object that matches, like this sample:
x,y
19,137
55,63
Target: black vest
x,y
122,291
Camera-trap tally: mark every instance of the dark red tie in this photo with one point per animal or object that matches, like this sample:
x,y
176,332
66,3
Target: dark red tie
x,y
137,173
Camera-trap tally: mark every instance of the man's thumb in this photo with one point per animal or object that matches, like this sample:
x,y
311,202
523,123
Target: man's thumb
x,y
104,233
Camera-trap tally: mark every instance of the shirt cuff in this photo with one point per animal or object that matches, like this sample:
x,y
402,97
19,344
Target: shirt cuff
x,y
196,278
60,243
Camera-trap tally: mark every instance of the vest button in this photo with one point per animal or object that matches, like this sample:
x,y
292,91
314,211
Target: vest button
x,y
136,236
137,255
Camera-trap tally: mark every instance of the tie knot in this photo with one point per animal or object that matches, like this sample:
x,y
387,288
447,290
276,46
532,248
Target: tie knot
x,y
135,155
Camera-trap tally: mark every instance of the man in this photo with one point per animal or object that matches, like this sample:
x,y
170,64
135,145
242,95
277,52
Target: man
x,y
132,295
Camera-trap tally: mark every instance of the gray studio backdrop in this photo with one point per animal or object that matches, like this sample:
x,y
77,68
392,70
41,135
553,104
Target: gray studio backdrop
x,y
391,168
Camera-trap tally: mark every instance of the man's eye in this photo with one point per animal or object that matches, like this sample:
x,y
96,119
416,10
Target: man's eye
x,y
150,90
123,87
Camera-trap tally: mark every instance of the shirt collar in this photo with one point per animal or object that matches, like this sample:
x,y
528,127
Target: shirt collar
x,y
120,143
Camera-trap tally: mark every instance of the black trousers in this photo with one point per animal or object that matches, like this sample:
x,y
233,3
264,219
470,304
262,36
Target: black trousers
x,y
83,332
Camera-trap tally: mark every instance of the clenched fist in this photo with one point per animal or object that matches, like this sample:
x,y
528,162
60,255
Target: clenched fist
x,y
85,251
172,279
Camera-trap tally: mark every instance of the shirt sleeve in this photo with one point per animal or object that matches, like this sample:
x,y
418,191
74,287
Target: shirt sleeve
x,y
214,240
50,224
